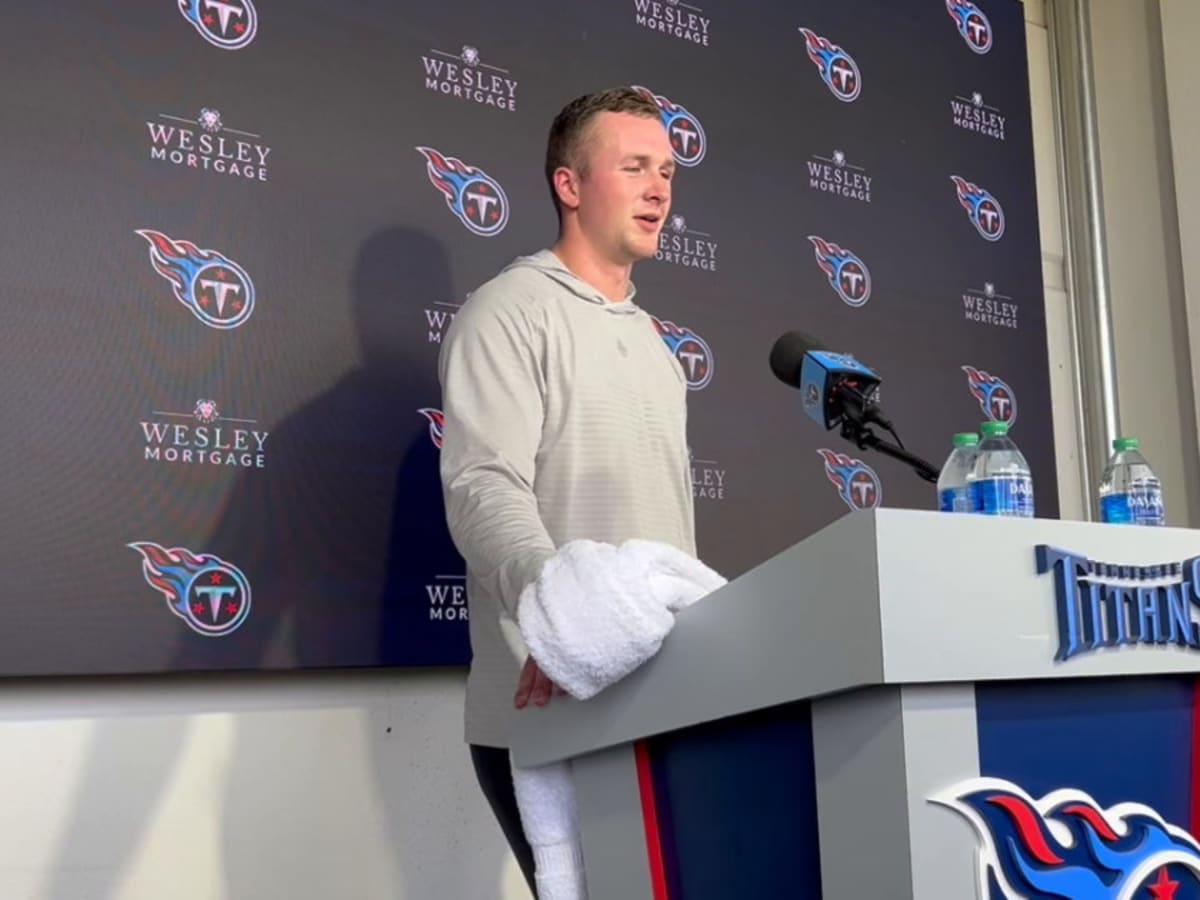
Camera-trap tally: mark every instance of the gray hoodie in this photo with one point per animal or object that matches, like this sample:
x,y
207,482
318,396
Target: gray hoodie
x,y
565,418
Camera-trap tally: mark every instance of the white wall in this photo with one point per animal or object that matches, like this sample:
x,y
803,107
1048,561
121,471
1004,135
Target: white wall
x,y
1180,31
1072,502
1150,317
317,786
341,785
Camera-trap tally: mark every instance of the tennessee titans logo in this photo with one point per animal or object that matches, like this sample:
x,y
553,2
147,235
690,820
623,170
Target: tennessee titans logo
x,y
228,24
683,129
214,288
982,208
437,422
1066,845
209,594
690,349
472,195
972,24
996,398
856,482
838,69
848,275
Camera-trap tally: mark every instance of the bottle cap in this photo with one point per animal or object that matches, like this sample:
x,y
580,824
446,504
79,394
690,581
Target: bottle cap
x,y
966,439
994,429
1125,443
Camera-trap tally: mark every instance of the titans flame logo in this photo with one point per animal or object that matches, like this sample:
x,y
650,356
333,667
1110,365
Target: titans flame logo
x,y
996,399
838,69
691,350
471,194
848,275
972,24
214,288
1066,846
228,24
683,129
982,208
437,423
209,594
857,483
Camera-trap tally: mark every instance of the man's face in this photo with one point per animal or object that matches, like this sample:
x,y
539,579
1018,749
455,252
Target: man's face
x,y
625,194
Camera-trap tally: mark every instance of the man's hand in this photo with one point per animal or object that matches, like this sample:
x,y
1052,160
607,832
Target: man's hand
x,y
534,685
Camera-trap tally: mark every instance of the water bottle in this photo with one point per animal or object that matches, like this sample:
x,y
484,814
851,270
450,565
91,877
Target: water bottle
x,y
954,484
1002,483
1129,490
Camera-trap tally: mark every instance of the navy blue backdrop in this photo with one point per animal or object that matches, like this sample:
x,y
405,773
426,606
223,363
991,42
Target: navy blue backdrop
x,y
236,231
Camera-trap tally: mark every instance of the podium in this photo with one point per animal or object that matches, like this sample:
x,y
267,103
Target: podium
x,y
907,706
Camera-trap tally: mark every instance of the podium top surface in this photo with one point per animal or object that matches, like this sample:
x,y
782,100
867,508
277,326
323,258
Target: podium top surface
x,y
899,597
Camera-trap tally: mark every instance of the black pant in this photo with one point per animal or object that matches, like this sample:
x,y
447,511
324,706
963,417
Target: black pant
x,y
493,768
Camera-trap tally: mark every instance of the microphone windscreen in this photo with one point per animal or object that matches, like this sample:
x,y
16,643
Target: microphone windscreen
x,y
787,356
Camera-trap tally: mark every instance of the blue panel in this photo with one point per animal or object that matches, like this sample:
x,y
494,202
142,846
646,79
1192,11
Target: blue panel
x,y
1118,740
738,807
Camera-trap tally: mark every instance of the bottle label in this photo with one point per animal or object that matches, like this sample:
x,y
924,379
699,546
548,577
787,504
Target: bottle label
x,y
1005,495
959,500
1142,505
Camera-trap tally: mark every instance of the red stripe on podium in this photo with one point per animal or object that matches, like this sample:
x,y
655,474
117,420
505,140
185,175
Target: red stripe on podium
x,y
1195,773
658,871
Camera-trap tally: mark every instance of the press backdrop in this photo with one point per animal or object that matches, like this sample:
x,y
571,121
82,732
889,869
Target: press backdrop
x,y
234,234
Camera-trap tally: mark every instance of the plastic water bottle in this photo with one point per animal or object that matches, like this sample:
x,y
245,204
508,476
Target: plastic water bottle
x,y
954,484
1002,482
1130,492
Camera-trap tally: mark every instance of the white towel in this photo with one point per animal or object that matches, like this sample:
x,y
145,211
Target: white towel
x,y
599,611
546,800
595,614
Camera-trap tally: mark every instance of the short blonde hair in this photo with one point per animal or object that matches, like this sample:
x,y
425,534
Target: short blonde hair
x,y
568,133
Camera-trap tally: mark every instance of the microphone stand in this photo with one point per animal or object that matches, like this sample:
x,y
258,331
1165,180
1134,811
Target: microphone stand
x,y
865,439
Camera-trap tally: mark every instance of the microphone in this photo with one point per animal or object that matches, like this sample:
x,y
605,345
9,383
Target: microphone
x,y
838,390
835,387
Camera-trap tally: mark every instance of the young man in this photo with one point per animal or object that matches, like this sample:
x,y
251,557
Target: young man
x,y
565,413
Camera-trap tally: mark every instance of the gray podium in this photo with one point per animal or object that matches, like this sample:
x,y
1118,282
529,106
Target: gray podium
x,y
877,711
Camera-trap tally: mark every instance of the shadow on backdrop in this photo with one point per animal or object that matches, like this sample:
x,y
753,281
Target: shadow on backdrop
x,y
348,510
